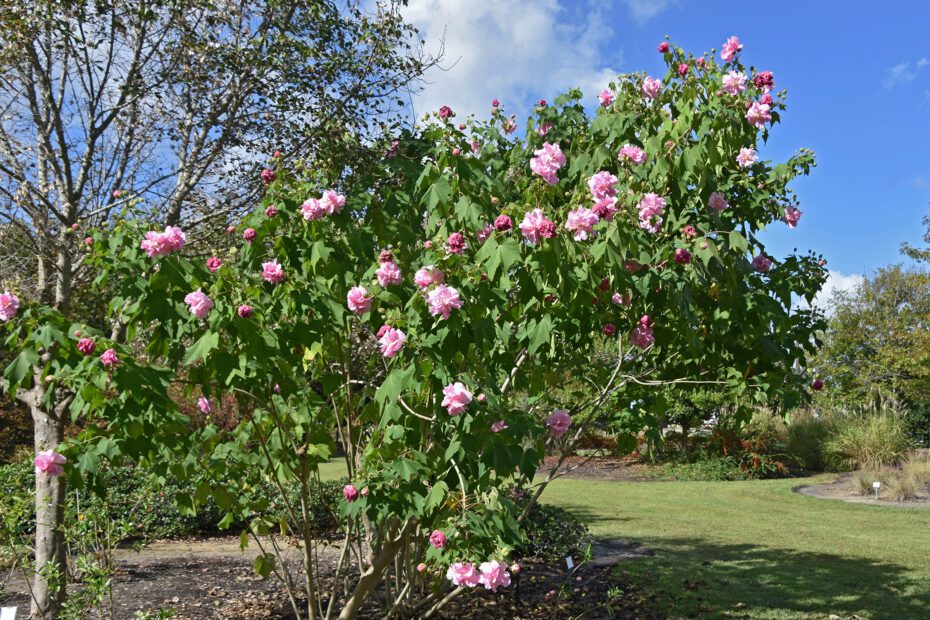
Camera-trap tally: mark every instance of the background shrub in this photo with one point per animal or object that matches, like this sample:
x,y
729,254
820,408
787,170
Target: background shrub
x,y
553,533
869,441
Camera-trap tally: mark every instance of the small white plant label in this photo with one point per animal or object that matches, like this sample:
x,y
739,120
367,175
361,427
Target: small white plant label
x,y
876,485
8,613
569,562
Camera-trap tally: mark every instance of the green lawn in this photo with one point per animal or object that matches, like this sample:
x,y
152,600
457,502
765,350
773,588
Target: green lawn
x,y
755,549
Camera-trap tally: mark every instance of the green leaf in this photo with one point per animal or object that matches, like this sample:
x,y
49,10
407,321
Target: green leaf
x,y
263,565
201,349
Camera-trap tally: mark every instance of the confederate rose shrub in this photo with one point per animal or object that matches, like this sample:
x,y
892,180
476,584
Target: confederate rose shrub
x,y
424,320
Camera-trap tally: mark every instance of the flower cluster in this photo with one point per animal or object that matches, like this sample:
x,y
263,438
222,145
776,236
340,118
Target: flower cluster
x,y
9,306
456,398
651,208
200,304
50,463
327,204
547,162
158,244
536,226
492,575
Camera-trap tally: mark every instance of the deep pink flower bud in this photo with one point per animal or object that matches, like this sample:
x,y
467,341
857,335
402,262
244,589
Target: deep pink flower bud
x,y
495,103
277,155
385,257
766,99
427,244
249,234
230,229
74,226
214,263
456,243
244,311
88,241
542,103
461,126
268,176
683,69
817,385
682,256
551,298
604,284
609,329
117,193
277,388
437,539
663,46
456,151
271,211
481,397
86,346
700,62
350,493
446,112
689,231
503,223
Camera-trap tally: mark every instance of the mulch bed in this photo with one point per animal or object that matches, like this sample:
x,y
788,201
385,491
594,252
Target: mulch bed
x,y
600,468
206,586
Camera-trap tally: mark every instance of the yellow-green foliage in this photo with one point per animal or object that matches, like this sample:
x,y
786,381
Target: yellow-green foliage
x,y
867,441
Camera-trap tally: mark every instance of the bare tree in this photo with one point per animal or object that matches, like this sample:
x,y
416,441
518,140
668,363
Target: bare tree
x,y
173,107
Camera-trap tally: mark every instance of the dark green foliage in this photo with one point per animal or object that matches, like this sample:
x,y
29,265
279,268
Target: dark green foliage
x,y
552,533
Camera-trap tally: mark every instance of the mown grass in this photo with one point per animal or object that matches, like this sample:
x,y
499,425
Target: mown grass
x,y
755,549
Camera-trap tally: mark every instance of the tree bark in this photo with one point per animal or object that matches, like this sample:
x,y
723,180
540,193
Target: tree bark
x,y
49,594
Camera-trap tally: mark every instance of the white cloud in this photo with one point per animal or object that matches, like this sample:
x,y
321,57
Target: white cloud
x,y
516,51
904,73
644,10
836,281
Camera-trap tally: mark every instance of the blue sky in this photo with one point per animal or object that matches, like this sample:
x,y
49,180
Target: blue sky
x,y
857,74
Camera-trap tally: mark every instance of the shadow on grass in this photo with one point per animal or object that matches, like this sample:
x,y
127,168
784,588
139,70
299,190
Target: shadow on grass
x,y
697,578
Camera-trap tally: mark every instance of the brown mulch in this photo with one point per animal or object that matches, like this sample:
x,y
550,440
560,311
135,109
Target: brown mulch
x,y
212,580
843,489
624,468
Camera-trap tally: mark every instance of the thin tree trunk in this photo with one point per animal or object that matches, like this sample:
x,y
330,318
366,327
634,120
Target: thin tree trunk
x,y
49,594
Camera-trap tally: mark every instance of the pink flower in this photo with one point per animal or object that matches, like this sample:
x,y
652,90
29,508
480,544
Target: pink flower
x,y
350,493
717,202
536,226
389,273
514,568
475,146
494,575
650,212
391,151
605,208
632,153
230,229
109,358
622,300
312,209
88,241
276,155
244,311
767,100
510,125
49,462
682,256
86,346
495,103
484,233
581,221
759,114
558,422
358,300
268,176
273,272
162,243
689,231
456,398
764,81
203,403
385,256
456,243
602,185
462,575
700,62
456,151
606,97
817,385
214,263
481,397
200,304
438,539
442,300
331,202
271,211
498,426
249,234
117,193
762,263
503,223
9,306
392,341
651,87
663,46
542,103
730,48
642,336
747,157
547,162
544,129
446,112
734,82
609,329
683,69
792,216
427,276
